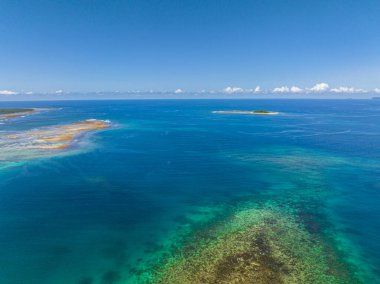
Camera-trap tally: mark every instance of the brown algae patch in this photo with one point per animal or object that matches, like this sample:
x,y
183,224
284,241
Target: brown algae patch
x,y
259,245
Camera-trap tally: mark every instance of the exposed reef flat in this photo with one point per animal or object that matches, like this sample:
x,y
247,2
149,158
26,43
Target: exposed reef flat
x,y
251,112
60,137
41,142
258,245
64,135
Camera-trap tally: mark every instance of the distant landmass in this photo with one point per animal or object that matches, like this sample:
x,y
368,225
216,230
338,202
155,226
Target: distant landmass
x,y
9,113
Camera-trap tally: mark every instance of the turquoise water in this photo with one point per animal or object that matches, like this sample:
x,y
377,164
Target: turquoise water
x,y
108,207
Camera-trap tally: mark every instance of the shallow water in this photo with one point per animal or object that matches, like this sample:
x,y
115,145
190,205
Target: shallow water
x,y
106,210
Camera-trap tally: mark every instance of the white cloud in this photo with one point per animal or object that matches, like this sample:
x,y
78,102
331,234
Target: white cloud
x,y
256,90
178,91
347,90
59,91
281,90
342,90
208,91
29,93
376,90
232,90
7,92
361,91
320,87
286,89
296,89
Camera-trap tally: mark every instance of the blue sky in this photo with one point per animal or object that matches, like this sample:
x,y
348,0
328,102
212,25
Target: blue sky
x,y
192,45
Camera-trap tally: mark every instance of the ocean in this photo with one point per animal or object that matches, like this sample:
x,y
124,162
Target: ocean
x,y
121,203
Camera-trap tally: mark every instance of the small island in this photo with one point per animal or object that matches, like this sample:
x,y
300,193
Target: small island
x,y
10,113
251,112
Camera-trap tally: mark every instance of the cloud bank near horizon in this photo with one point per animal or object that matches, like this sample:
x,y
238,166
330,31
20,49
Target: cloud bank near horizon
x,y
319,88
7,92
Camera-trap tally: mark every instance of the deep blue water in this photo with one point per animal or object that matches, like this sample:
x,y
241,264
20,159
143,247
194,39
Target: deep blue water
x,y
93,214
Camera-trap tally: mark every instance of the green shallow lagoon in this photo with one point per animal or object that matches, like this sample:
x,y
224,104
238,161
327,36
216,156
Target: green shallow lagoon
x,y
173,193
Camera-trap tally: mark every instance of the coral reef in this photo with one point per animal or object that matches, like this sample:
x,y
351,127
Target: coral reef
x,y
259,245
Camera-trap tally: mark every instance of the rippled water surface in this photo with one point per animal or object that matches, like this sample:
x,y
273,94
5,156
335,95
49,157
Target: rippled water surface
x,y
112,207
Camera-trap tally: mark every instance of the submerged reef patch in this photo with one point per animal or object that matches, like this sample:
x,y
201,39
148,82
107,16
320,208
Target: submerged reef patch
x,y
265,244
282,233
